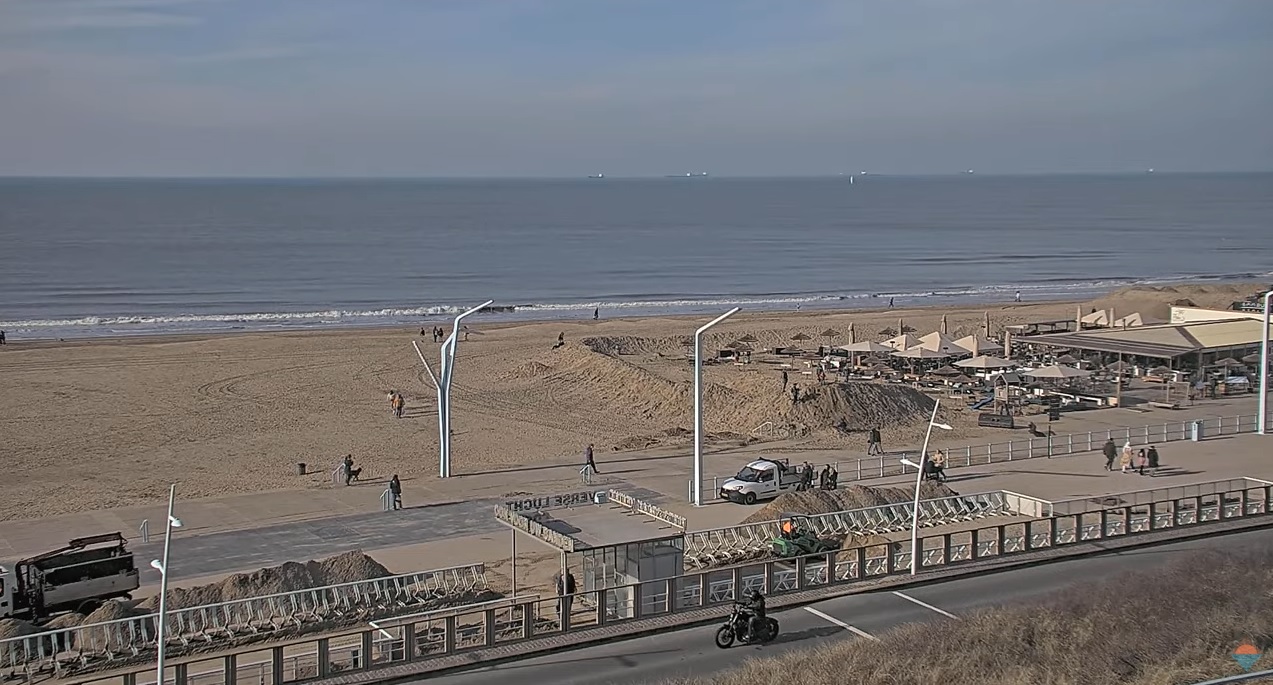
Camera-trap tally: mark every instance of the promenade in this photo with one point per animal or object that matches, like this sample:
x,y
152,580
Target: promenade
x,y
450,522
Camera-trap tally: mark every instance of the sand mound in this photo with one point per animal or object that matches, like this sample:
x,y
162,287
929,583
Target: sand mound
x,y
70,620
288,577
624,344
12,627
811,502
112,610
348,567
529,369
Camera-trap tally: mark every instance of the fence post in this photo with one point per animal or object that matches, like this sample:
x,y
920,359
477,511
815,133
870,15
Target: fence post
x,y
1069,444
144,530
968,455
859,469
1009,450
1029,448
1089,441
990,453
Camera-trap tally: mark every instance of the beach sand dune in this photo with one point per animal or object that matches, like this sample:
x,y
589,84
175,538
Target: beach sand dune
x,y
97,424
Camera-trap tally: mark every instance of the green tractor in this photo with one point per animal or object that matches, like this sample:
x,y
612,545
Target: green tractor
x,y
797,539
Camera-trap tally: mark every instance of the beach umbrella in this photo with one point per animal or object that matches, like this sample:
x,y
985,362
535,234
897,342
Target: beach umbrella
x,y
852,334
740,346
879,368
866,347
830,333
1119,366
749,339
945,325
1251,359
800,337
977,344
987,323
947,371
1057,372
905,341
1227,362
984,362
1066,359
920,353
960,379
940,342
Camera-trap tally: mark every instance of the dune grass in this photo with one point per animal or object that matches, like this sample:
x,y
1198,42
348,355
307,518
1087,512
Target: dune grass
x,y
1178,624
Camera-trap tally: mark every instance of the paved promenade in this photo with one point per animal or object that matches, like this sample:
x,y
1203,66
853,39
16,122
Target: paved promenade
x,y
454,524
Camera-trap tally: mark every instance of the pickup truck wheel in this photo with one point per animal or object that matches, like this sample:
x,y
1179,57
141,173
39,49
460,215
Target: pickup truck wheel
x,y
749,498
88,606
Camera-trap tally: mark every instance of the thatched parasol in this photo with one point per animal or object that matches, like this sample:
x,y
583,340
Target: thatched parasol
x,y
1160,370
947,371
749,339
1226,362
800,337
1251,358
1119,366
830,333
1066,359
1058,372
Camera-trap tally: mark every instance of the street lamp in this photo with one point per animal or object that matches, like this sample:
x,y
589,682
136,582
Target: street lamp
x,y
1264,368
162,567
698,404
919,479
444,392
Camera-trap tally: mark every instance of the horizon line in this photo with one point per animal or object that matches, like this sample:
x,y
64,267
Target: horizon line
x,y
607,177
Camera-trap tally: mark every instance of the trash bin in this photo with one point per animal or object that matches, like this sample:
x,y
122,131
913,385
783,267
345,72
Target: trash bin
x,y
300,468
1195,431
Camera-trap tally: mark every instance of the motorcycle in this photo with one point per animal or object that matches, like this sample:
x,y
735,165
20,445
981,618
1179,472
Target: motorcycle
x,y
738,628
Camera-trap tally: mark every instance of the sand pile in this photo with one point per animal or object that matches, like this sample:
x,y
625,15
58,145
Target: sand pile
x,y
348,567
811,502
529,369
627,344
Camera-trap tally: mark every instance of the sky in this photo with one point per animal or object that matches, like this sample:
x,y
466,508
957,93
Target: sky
x,y
565,88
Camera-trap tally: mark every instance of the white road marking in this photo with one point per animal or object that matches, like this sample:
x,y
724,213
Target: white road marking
x,y
926,605
842,624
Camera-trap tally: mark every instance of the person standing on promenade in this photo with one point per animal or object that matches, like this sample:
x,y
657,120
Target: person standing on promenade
x,y
1110,450
1125,460
588,461
873,446
395,491
1152,456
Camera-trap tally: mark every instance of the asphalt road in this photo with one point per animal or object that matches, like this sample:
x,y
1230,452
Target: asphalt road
x,y
858,617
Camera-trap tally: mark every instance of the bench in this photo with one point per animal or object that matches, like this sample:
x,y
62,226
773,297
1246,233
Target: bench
x,y
1164,405
988,420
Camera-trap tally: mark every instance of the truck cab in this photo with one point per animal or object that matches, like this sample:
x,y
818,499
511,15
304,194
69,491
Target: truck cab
x,y
760,480
77,577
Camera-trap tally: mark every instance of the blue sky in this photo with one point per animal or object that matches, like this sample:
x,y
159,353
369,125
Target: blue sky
x,y
569,87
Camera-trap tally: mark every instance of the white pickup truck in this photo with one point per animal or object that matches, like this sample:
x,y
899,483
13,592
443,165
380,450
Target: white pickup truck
x,y
761,479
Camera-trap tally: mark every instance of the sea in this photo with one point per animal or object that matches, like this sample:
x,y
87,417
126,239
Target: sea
x,y
82,258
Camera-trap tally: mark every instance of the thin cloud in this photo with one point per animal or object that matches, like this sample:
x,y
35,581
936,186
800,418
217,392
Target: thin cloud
x,y
51,16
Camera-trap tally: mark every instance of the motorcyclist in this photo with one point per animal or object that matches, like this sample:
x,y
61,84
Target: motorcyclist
x,y
756,604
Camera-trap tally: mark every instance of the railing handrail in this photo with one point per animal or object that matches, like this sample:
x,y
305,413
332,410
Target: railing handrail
x,y
1029,447
862,510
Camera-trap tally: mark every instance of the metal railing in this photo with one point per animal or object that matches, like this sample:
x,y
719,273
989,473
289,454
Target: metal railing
x,y
468,630
867,468
735,544
322,608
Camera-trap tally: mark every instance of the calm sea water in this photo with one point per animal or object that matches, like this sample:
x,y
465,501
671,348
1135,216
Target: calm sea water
x,y
95,257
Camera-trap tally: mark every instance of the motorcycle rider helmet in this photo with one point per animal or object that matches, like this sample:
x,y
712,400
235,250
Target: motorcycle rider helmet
x,y
756,596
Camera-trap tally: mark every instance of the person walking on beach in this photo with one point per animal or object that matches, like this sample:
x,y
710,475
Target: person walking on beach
x,y
1125,460
1110,450
588,463
890,303
2,342
1018,297
873,446
795,393
784,381
395,491
398,405
596,314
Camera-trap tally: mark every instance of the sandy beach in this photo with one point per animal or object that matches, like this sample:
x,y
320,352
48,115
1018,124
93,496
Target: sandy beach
x,y
98,424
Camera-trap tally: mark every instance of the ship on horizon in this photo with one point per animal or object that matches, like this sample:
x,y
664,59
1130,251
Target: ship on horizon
x,y
599,175
688,174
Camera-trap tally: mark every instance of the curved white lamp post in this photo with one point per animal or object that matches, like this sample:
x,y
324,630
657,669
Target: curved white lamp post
x,y
919,479
698,404
162,567
1262,426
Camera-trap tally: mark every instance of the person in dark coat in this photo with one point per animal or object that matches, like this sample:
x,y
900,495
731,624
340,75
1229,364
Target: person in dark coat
x,y
1152,455
395,489
565,590
1110,450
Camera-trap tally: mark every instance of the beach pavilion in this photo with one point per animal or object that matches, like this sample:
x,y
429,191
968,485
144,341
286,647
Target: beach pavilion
x,y
1196,344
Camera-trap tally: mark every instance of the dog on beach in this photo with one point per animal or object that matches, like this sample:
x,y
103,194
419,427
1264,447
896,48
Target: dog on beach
x,y
354,473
